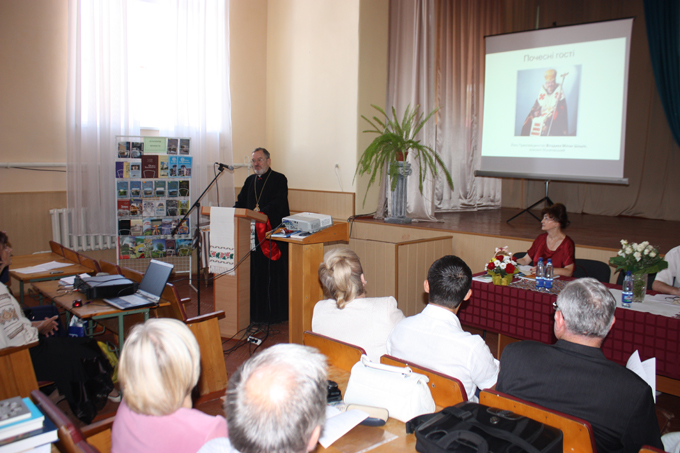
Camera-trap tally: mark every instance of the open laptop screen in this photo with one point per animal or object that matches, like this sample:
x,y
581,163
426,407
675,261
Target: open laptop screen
x,y
155,278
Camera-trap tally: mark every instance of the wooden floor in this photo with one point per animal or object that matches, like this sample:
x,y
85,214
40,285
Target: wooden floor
x,y
590,230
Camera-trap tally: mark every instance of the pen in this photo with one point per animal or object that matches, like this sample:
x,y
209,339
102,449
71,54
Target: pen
x,y
57,272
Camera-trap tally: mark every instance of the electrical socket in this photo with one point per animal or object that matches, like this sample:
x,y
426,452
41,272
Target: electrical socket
x,y
254,340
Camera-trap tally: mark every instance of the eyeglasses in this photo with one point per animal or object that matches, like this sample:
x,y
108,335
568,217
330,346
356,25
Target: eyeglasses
x,y
258,160
555,307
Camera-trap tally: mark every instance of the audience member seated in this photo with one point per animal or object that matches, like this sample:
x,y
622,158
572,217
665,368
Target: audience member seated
x,y
553,244
75,365
435,339
159,367
348,315
276,402
667,281
574,377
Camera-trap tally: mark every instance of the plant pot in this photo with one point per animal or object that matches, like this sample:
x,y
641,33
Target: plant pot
x,y
639,287
501,281
401,156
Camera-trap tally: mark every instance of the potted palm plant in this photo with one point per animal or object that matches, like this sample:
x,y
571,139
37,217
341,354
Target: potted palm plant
x,y
394,141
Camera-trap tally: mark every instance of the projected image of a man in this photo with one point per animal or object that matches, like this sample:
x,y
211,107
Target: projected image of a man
x,y
548,116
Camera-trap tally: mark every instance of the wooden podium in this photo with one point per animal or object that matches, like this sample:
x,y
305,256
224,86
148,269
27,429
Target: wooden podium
x,y
232,292
304,288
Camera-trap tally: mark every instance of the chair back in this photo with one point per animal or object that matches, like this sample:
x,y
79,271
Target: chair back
x,y
577,433
16,372
592,268
71,255
176,308
518,255
98,434
71,439
212,384
56,248
89,262
446,390
340,354
109,268
131,274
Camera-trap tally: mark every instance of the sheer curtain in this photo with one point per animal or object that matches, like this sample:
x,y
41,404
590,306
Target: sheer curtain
x,y
159,64
436,56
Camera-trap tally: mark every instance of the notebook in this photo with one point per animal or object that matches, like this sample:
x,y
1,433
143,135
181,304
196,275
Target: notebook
x,y
150,289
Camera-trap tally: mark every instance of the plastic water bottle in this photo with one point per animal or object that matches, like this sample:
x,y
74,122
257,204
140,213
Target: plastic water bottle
x,y
540,275
548,280
627,296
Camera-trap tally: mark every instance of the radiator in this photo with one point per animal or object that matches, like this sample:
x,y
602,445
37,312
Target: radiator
x,y
62,222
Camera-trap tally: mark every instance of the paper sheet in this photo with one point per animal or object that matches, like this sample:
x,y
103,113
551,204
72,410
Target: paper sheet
x,y
41,268
339,423
646,370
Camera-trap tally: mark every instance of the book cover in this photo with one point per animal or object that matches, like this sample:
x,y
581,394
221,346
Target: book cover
x,y
159,209
166,226
123,188
155,227
123,227
184,188
136,189
146,227
170,245
172,164
136,168
126,247
184,144
159,188
172,207
147,189
173,144
136,207
173,189
136,150
149,208
21,419
123,150
155,145
124,208
46,434
184,166
163,165
158,248
122,169
136,227
150,166
140,247
183,207
183,247
183,227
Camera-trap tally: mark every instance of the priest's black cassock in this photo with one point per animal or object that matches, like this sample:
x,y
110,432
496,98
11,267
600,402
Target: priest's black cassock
x,y
268,279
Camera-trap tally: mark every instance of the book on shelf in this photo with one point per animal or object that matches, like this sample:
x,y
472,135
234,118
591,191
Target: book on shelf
x,y
150,166
18,416
184,145
44,434
136,168
163,165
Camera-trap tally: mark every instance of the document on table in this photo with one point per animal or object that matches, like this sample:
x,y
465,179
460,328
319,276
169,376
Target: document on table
x,y
339,423
69,281
42,268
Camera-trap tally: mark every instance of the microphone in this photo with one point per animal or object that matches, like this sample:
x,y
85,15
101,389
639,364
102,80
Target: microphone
x,y
224,166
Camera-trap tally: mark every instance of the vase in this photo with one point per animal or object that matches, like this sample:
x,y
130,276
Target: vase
x,y
399,195
639,287
501,281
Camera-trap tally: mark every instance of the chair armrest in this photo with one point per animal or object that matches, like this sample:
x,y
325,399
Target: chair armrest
x,y
185,301
13,349
202,318
98,427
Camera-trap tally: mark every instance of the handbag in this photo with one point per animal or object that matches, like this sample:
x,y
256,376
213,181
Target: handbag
x,y
402,392
475,428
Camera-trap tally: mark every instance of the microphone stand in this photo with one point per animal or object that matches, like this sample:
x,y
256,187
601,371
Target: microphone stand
x,y
196,240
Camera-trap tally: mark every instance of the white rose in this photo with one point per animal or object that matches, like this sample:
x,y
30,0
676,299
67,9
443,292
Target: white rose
x,y
503,265
496,263
621,253
629,250
644,244
646,252
638,247
624,242
650,248
653,254
637,256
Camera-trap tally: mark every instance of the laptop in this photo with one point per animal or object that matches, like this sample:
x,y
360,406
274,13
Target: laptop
x,y
150,289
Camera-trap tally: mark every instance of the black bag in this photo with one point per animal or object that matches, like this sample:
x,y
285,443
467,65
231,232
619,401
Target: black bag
x,y
474,428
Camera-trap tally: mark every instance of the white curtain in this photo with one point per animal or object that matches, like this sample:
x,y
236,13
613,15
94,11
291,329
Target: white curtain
x,y
158,64
436,51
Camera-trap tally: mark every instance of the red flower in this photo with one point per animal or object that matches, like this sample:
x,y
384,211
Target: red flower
x,y
500,258
490,266
509,268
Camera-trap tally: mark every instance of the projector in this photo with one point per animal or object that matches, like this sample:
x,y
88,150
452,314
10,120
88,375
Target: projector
x,y
308,222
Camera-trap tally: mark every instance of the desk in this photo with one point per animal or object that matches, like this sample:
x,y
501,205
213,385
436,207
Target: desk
x,y
362,437
22,261
521,314
95,310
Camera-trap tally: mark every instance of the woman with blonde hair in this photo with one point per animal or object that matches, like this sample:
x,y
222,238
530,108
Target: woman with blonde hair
x,y
159,367
348,315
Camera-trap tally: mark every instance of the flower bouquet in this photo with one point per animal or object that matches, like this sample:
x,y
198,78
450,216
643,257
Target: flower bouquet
x,y
502,267
640,259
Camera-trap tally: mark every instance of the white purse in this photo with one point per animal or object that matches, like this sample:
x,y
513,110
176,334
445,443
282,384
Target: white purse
x,y
402,392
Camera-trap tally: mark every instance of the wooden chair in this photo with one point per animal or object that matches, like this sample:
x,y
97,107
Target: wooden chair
x,y
176,309
16,372
340,354
89,262
71,255
212,383
71,439
131,274
56,248
98,434
648,449
577,433
446,390
109,268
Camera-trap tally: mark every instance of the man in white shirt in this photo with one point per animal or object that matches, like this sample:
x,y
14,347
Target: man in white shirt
x,y
435,339
668,280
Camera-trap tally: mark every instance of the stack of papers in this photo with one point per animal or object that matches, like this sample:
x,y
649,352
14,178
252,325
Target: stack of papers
x,y
41,268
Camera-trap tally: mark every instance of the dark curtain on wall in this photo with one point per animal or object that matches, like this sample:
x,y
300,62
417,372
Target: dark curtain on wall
x,y
663,34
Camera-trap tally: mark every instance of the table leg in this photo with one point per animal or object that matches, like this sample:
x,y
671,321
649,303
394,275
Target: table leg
x,y
121,333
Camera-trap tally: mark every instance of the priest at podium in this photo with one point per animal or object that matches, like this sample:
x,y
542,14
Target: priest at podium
x,y
267,191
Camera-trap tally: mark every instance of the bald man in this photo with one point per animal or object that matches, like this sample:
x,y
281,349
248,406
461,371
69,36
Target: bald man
x,y
276,402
